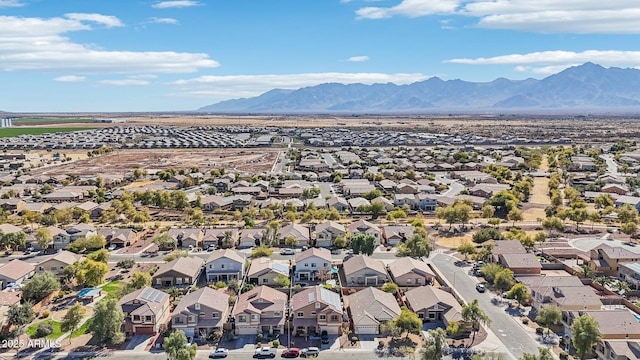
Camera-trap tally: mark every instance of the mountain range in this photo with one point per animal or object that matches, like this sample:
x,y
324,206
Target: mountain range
x,y
585,87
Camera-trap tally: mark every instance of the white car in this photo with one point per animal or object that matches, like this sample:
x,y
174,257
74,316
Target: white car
x,y
287,252
219,353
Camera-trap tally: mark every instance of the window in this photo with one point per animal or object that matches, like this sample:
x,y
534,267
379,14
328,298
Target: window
x,y
313,313
158,281
197,306
215,315
192,318
210,266
222,266
313,265
254,317
265,280
40,268
276,313
306,265
418,281
147,318
325,265
242,318
177,320
409,281
334,317
178,281
323,317
54,268
136,317
300,314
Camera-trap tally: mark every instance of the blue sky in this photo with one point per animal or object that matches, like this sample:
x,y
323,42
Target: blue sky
x,y
151,55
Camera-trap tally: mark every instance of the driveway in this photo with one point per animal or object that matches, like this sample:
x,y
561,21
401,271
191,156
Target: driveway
x,y
515,339
138,342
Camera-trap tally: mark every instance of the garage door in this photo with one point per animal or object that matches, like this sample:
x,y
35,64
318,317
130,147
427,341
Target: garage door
x,y
246,330
189,331
144,330
366,330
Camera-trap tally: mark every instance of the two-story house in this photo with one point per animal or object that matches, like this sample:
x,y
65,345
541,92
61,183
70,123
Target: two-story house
x,y
260,310
225,265
182,271
316,309
367,228
327,232
362,271
73,233
201,312
606,258
57,263
427,202
146,311
312,264
371,307
264,271
410,272
566,292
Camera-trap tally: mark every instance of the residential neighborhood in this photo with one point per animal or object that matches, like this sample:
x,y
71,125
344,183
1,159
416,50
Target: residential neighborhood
x,y
342,243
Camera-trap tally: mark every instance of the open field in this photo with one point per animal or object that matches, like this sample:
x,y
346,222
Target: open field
x,y
50,121
16,131
126,161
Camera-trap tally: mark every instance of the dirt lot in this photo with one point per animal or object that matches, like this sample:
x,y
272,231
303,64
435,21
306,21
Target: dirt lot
x,y
125,161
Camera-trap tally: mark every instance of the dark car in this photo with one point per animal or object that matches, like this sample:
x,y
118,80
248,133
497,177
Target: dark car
x,y
291,353
325,337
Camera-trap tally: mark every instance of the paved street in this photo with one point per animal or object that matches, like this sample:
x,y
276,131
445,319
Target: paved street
x,y
506,327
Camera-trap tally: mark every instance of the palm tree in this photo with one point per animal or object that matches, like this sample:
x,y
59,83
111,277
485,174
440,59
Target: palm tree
x,y
586,272
471,313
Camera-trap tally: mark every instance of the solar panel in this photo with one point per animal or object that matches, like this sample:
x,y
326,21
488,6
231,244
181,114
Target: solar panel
x,y
330,297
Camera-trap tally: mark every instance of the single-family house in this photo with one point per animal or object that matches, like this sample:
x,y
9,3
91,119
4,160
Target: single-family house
x,y
410,272
362,271
251,237
220,237
366,228
186,237
313,264
264,271
15,272
119,237
606,259
201,312
7,299
433,304
146,311
300,233
316,309
427,202
338,203
327,232
260,310
182,271
57,263
370,307
225,265
395,234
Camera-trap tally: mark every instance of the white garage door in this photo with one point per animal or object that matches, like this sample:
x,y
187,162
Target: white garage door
x,y
189,331
366,330
246,330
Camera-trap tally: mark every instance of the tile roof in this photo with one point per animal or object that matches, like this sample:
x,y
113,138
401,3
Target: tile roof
x,y
16,269
374,304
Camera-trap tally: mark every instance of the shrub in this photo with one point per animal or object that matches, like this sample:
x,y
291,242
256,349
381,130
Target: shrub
x,y
539,330
45,314
43,330
258,344
275,343
126,264
380,344
354,339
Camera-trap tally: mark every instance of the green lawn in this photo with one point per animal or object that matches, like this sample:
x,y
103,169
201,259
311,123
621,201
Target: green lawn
x,y
82,329
27,121
113,286
11,132
57,332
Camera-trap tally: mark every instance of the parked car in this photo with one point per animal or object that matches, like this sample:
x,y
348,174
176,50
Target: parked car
x,y
310,351
219,353
265,351
291,353
112,247
287,252
481,288
324,337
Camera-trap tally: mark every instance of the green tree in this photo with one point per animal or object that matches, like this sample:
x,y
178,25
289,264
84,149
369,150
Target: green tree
x,y
107,321
260,251
585,333
20,315
515,215
434,344
503,279
519,292
40,286
627,213
553,224
602,201
486,234
543,354
140,280
43,237
101,255
88,273
363,243
408,321
416,246
466,249
549,315
389,328
629,228
72,318
488,211
390,287
291,241
175,345
473,314
282,280
340,242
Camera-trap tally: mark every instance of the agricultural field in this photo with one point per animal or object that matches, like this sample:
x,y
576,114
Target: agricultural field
x,y
49,121
17,131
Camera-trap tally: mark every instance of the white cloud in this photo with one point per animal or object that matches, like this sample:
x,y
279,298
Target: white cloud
x,y
143,76
175,4
70,78
602,57
544,16
10,3
108,21
237,86
36,44
157,20
125,82
409,8
358,58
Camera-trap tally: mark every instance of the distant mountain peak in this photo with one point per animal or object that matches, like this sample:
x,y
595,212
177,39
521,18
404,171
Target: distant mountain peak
x,y
586,86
